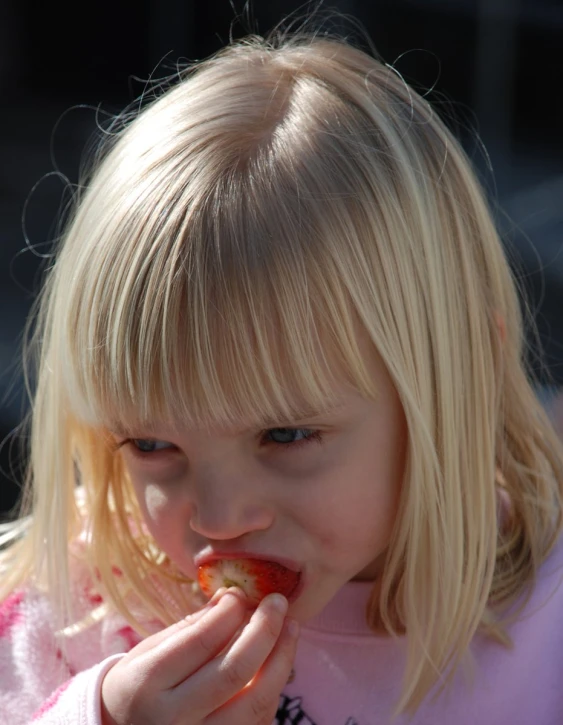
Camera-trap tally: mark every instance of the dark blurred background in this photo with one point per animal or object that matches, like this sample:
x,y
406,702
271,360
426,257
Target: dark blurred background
x,y
491,66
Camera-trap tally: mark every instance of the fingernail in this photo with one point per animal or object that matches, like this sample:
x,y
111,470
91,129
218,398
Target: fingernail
x,y
235,592
278,602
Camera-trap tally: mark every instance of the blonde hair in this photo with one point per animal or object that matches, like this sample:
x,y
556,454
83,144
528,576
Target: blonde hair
x,y
235,240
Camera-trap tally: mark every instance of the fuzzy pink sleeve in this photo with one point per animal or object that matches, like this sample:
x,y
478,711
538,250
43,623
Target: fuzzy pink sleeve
x,y
38,682
77,701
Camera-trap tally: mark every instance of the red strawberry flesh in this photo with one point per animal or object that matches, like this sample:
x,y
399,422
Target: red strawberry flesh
x,y
256,577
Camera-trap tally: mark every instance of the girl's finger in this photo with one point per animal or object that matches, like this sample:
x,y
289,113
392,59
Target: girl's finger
x,y
259,700
154,639
223,677
190,647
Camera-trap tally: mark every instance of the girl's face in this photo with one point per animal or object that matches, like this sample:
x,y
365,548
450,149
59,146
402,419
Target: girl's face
x,y
320,493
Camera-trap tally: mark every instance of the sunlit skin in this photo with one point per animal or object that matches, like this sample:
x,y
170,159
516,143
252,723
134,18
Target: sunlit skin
x,y
321,492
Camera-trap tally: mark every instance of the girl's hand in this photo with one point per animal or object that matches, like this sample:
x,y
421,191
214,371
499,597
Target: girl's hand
x,y
203,670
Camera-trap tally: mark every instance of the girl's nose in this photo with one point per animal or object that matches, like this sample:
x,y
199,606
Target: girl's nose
x,y
224,509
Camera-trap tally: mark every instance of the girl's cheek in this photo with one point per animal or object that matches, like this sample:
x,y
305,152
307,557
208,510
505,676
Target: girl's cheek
x,y
162,514
160,506
156,501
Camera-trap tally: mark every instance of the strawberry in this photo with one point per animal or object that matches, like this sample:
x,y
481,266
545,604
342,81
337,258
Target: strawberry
x,y
255,577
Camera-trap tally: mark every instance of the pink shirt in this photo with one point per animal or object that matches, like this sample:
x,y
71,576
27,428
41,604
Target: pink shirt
x,y
344,675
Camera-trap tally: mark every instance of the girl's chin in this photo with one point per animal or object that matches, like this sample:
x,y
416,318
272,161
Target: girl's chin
x,y
302,612
371,572
307,606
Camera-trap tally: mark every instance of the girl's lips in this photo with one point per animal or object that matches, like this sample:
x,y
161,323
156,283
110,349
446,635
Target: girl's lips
x,y
208,556
296,593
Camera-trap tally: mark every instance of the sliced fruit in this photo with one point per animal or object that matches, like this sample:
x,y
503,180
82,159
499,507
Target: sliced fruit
x,y
255,577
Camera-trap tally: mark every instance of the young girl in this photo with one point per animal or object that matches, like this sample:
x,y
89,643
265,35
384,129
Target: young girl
x,y
280,327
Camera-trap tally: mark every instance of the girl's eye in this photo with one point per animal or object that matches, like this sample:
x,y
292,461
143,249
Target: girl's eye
x,y
148,445
282,438
290,437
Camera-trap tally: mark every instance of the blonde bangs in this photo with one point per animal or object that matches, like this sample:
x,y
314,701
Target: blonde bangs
x,y
221,319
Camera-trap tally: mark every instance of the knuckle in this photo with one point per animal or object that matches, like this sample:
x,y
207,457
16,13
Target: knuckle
x,y
261,704
205,640
144,704
263,708
235,673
